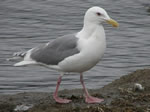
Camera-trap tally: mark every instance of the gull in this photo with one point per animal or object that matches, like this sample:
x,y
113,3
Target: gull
x,y
73,53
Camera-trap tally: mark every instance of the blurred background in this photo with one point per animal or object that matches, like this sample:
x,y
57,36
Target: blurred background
x,y
28,23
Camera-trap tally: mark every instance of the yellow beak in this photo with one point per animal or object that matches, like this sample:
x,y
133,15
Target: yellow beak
x,y
113,22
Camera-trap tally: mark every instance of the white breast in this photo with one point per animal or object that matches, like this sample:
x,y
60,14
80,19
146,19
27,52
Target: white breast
x,y
91,51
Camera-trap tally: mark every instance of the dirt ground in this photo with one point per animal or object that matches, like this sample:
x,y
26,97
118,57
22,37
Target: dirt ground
x,y
120,96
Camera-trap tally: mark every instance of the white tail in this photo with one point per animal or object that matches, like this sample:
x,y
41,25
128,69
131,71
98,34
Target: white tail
x,y
23,63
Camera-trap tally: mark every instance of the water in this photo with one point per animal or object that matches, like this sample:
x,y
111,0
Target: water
x,y
26,24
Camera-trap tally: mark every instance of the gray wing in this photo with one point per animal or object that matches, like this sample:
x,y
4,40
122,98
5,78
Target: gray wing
x,y
56,51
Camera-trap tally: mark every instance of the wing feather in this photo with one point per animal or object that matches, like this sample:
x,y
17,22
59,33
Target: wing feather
x,y
55,51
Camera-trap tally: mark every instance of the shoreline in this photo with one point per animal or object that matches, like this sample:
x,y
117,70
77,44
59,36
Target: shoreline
x,y
120,95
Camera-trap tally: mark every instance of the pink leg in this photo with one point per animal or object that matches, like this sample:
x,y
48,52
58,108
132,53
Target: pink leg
x,y
89,98
55,95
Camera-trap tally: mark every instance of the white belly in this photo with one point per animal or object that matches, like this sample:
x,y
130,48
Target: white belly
x,y
92,51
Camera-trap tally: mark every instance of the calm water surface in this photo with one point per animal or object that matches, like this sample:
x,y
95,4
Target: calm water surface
x,y
27,23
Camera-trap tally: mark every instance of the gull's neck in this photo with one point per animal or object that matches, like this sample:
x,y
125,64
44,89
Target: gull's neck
x,y
91,30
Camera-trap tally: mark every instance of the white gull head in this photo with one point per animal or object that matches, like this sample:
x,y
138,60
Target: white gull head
x,y
96,15
93,19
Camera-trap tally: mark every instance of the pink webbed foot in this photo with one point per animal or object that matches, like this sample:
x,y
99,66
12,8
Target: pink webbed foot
x,y
60,100
55,96
91,99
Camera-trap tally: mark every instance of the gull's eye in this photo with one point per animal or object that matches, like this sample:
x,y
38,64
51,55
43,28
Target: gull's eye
x,y
98,13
